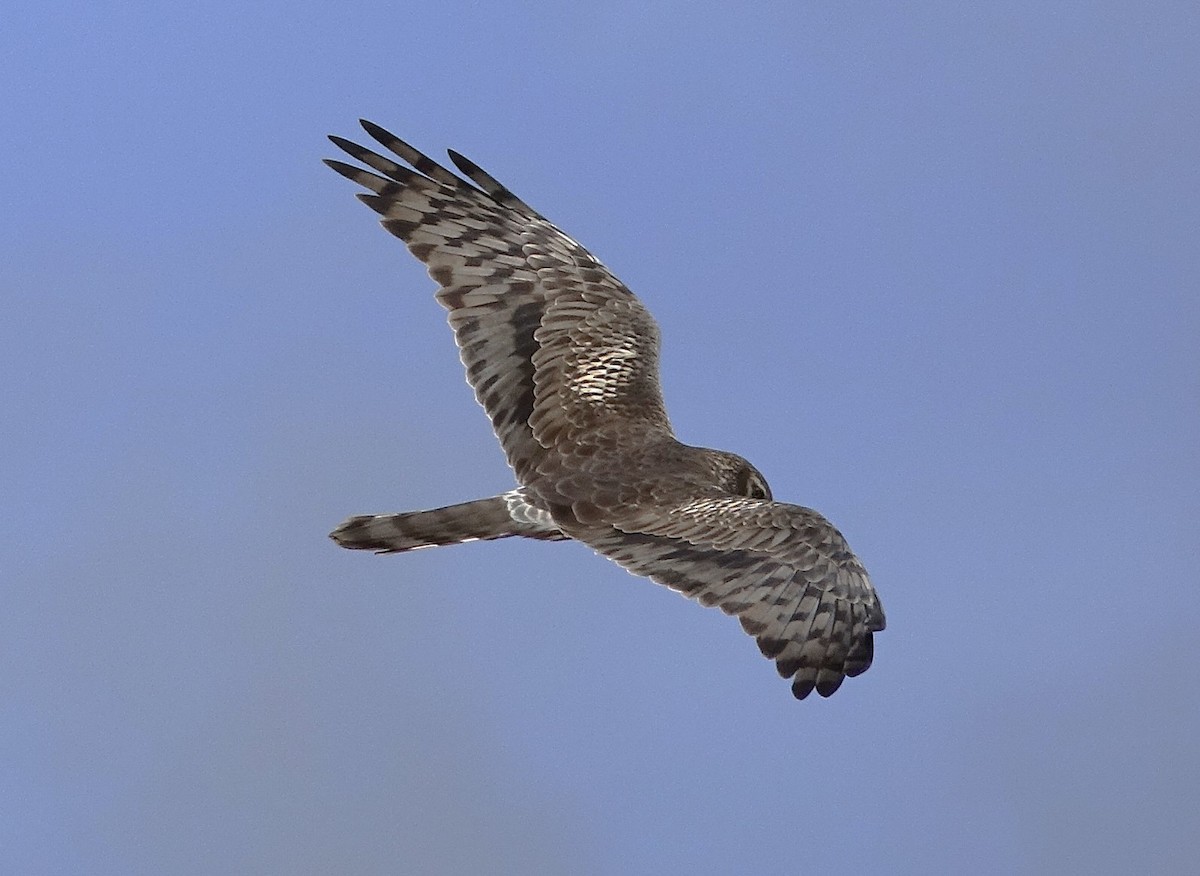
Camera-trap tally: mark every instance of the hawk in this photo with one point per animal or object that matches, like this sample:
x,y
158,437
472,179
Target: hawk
x,y
564,360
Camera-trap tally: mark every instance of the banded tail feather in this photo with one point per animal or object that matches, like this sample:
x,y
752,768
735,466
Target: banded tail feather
x,y
500,516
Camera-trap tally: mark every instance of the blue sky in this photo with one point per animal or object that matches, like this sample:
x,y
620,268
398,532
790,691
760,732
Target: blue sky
x,y
931,267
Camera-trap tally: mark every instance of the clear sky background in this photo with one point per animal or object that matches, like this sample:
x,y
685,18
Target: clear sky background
x,y
932,267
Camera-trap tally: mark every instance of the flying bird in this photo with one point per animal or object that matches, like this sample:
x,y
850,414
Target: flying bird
x,y
564,360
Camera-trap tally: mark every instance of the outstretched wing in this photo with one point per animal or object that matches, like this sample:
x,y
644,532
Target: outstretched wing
x,y
785,571
552,342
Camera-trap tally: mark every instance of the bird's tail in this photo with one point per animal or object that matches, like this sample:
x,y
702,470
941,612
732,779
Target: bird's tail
x,y
496,517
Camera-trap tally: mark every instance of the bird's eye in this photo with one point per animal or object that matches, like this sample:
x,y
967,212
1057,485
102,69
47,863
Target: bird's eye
x,y
750,483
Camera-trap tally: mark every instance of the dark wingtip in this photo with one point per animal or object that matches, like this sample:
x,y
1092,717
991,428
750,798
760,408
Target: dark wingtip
x,y
488,183
464,164
378,132
827,688
349,171
360,153
801,689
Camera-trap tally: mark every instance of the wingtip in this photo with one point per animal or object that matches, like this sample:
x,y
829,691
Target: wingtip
x,y
828,685
801,688
463,163
377,132
349,171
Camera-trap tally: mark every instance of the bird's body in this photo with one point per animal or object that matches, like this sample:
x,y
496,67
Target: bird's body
x,y
564,359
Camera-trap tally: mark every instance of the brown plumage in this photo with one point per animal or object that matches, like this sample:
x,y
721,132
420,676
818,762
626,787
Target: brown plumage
x,y
564,360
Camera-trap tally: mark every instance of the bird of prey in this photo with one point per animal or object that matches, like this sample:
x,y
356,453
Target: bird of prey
x,y
564,360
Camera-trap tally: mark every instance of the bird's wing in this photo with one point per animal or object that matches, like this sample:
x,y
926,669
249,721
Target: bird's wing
x,y
552,342
785,571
